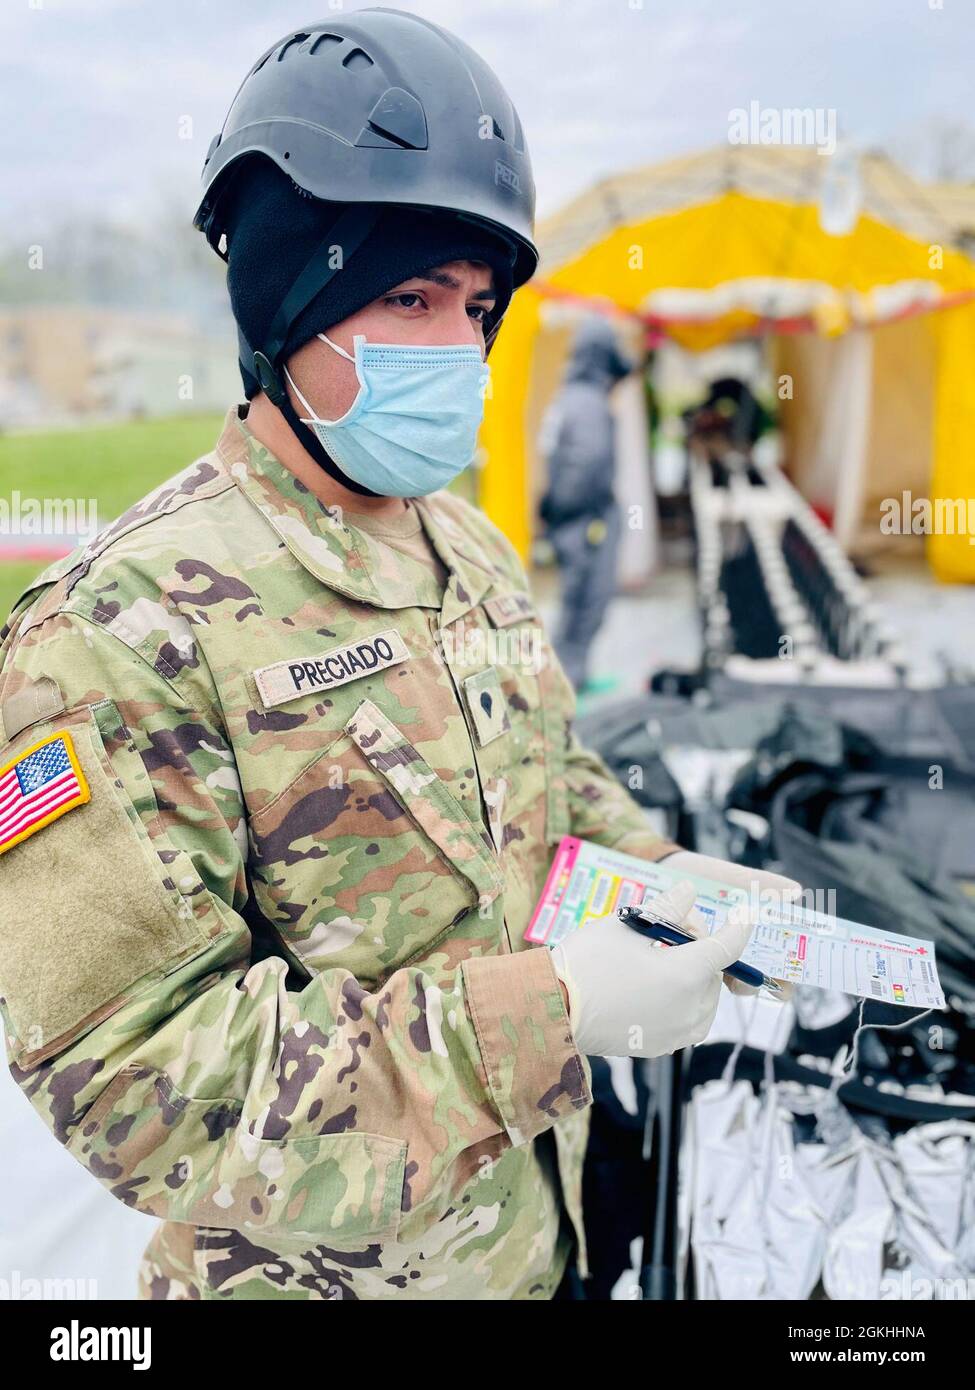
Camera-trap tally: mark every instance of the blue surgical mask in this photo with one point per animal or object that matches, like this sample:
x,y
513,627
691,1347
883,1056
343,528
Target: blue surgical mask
x,y
413,424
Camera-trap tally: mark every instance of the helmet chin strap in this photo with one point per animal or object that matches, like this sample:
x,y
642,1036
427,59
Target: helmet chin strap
x,y
310,442
273,387
347,235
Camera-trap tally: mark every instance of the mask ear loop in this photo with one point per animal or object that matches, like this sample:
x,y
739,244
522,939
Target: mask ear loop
x,y
312,418
340,350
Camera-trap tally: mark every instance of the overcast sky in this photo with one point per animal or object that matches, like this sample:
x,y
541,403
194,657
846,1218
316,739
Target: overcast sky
x,y
94,91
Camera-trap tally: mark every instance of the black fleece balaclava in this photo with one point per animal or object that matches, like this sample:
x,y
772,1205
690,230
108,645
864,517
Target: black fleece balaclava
x,y
277,226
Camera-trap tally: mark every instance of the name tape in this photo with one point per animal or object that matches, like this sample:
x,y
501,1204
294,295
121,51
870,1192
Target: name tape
x,y
286,680
505,609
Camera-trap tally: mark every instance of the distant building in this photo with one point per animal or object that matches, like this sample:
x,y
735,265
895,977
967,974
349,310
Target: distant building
x,y
59,364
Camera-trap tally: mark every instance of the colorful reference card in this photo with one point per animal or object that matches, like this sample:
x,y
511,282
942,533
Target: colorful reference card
x,y
790,942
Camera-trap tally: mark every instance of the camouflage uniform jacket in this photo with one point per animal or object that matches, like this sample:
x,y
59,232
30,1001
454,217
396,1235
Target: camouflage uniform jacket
x,y
264,974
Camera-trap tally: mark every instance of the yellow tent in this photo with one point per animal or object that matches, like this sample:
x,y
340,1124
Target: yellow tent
x,y
820,253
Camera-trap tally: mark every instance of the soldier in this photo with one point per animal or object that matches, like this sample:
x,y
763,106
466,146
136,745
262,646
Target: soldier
x,y
285,753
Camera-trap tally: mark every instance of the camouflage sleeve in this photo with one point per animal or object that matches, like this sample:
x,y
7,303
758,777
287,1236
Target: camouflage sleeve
x,y
190,1079
599,808
602,810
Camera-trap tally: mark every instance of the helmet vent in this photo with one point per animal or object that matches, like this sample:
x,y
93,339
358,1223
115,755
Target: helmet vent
x,y
396,119
295,39
357,59
416,106
324,40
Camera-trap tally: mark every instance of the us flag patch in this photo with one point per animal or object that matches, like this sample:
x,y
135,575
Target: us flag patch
x,y
41,784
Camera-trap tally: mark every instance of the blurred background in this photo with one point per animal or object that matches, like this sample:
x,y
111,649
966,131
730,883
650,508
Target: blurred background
x,y
731,431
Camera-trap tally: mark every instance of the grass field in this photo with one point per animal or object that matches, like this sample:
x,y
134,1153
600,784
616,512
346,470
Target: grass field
x,y
114,464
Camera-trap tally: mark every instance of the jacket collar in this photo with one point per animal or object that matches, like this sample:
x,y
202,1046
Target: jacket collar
x,y
470,576
343,557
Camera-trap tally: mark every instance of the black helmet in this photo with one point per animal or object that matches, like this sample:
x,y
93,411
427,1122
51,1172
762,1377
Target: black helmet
x,y
373,108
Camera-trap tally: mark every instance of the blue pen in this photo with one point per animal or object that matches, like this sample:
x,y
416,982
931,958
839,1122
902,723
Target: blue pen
x,y
647,922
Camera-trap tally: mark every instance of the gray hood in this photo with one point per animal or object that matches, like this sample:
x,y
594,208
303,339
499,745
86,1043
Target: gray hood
x,y
596,357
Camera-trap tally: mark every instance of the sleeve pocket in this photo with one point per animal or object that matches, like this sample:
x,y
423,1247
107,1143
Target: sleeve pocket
x,y
86,913
207,1169
335,1189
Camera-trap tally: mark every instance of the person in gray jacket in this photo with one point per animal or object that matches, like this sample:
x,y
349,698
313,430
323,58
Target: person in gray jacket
x,y
579,507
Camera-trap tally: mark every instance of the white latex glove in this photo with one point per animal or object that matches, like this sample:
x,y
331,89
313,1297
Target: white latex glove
x,y
632,997
760,885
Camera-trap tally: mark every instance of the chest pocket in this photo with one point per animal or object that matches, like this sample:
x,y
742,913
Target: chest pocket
x,y
518,708
367,860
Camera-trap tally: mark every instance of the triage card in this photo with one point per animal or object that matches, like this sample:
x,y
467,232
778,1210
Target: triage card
x,y
790,941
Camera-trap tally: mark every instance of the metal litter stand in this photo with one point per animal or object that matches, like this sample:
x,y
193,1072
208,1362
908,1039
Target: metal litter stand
x,y
661,1153
768,568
